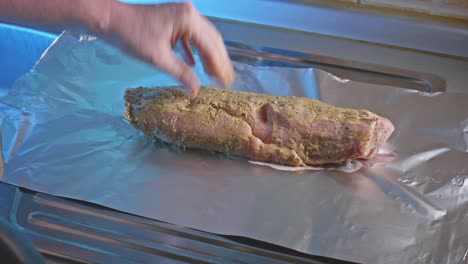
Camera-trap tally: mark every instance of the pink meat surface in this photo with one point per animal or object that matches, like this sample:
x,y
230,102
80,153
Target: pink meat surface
x,y
293,131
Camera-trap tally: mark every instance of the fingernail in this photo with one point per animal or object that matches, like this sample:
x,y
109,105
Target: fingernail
x,y
192,91
188,93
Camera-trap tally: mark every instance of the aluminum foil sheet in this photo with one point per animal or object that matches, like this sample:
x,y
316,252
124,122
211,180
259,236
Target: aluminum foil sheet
x,y
63,133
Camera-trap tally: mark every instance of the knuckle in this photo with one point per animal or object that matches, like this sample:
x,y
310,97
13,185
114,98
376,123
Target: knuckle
x,y
188,9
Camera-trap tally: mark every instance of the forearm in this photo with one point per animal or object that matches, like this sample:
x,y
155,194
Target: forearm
x,y
56,15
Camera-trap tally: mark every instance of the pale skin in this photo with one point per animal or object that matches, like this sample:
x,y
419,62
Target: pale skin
x,y
148,32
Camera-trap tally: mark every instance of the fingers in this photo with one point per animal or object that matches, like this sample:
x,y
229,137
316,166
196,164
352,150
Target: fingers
x,y
170,63
213,52
188,53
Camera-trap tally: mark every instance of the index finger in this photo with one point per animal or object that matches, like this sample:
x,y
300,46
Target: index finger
x,y
210,45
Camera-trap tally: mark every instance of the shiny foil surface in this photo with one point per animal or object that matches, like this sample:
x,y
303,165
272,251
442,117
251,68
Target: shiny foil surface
x,y
63,133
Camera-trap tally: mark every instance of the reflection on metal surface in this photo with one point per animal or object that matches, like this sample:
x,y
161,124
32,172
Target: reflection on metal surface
x,y
361,72
78,232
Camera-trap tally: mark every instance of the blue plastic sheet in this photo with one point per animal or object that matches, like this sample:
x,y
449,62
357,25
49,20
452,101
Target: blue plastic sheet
x,y
20,48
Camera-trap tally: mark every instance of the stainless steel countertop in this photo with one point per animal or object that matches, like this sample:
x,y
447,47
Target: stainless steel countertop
x,y
67,231
356,37
405,32
451,71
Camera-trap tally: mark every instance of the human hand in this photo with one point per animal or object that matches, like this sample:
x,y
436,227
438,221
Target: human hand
x,y
150,32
